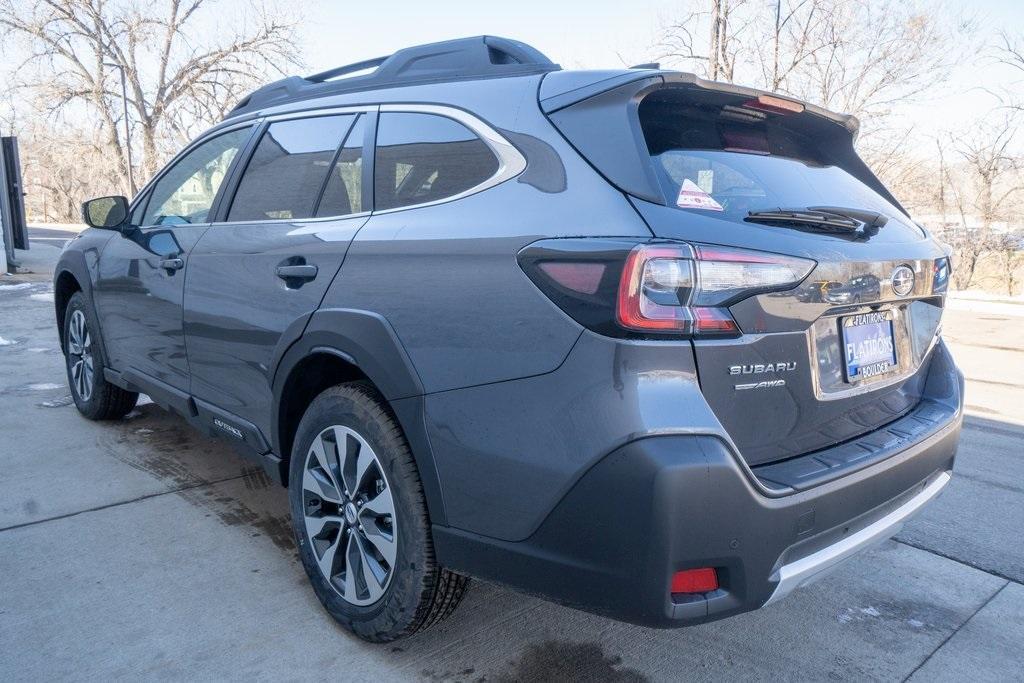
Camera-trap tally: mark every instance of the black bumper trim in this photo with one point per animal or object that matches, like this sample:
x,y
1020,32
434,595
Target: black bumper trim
x,y
667,503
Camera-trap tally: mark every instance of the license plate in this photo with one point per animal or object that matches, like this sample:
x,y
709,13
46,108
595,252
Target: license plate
x,y
868,345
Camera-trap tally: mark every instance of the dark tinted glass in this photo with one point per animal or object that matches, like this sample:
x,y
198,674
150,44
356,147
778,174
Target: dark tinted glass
x,y
343,193
712,164
288,168
423,158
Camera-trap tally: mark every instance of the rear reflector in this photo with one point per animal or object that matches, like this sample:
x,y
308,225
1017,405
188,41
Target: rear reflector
x,y
578,276
703,580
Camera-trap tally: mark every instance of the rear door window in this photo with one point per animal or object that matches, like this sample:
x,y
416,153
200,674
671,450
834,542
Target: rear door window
x,y
287,171
422,158
343,193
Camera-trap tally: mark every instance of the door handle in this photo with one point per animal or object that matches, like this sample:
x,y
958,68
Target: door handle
x,y
172,264
299,272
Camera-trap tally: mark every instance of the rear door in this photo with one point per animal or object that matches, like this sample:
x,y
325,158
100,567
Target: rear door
x,y
259,272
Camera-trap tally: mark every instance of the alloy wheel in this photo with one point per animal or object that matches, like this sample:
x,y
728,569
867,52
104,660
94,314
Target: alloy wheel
x,y
80,356
349,514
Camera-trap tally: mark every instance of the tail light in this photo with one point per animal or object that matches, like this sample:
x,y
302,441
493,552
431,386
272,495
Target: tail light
x,y
618,287
686,288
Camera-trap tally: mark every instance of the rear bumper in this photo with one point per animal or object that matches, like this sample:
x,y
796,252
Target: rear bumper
x,y
803,571
662,504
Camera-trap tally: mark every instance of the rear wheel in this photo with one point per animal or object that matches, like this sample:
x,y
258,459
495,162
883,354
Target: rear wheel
x,y
94,396
360,519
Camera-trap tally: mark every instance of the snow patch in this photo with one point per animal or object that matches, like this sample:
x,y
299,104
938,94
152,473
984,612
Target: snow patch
x,y
1001,308
982,295
44,386
6,342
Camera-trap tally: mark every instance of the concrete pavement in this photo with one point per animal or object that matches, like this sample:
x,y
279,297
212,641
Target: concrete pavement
x,y
142,549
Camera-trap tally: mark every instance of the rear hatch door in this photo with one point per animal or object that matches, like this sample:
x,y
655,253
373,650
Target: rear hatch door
x,y
844,352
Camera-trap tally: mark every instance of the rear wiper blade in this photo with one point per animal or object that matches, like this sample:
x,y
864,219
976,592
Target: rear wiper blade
x,y
804,217
870,219
825,218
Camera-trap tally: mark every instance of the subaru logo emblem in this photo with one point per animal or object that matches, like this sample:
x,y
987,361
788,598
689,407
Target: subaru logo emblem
x,y
903,280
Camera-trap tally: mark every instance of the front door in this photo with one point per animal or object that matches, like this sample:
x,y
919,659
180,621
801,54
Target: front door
x,y
141,273
255,278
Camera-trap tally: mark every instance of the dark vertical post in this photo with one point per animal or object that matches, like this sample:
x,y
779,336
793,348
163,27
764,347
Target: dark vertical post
x,y
12,202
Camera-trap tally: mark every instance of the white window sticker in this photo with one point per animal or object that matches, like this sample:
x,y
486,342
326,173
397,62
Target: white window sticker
x,y
692,197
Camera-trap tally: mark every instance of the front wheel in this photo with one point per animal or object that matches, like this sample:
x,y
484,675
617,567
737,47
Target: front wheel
x,y
360,519
94,396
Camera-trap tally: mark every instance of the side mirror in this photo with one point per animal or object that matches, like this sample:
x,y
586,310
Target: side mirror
x,y
107,213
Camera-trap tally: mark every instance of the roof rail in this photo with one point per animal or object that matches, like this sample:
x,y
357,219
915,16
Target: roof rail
x,y
450,60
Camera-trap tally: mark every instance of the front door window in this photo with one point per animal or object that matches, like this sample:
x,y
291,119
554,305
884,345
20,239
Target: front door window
x,y
186,192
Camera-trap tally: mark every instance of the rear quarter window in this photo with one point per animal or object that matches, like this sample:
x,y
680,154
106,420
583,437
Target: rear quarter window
x,y
422,158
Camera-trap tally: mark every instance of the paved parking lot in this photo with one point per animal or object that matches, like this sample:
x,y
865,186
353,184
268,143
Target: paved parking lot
x,y
143,549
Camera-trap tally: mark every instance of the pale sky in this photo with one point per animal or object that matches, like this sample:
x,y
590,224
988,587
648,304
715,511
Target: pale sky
x,y
598,34
594,33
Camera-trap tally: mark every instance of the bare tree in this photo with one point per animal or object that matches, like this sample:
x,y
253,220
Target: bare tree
x,y
1009,50
174,71
989,157
725,43
968,245
794,37
1008,250
856,56
982,188
62,164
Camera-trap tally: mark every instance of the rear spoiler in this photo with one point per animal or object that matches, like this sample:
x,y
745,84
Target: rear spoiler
x,y
566,88
597,112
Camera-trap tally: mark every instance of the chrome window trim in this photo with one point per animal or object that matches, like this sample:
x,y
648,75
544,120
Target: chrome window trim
x,y
511,162
305,114
295,221
314,113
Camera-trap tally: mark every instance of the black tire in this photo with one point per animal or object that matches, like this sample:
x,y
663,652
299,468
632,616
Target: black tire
x,y
104,401
419,593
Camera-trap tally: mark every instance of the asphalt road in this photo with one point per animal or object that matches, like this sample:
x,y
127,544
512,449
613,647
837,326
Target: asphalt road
x,y
141,549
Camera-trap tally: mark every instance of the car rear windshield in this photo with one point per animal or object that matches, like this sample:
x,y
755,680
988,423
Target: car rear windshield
x,y
711,161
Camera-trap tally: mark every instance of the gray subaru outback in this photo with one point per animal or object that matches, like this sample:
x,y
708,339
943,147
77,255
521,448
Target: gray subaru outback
x,y
651,346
